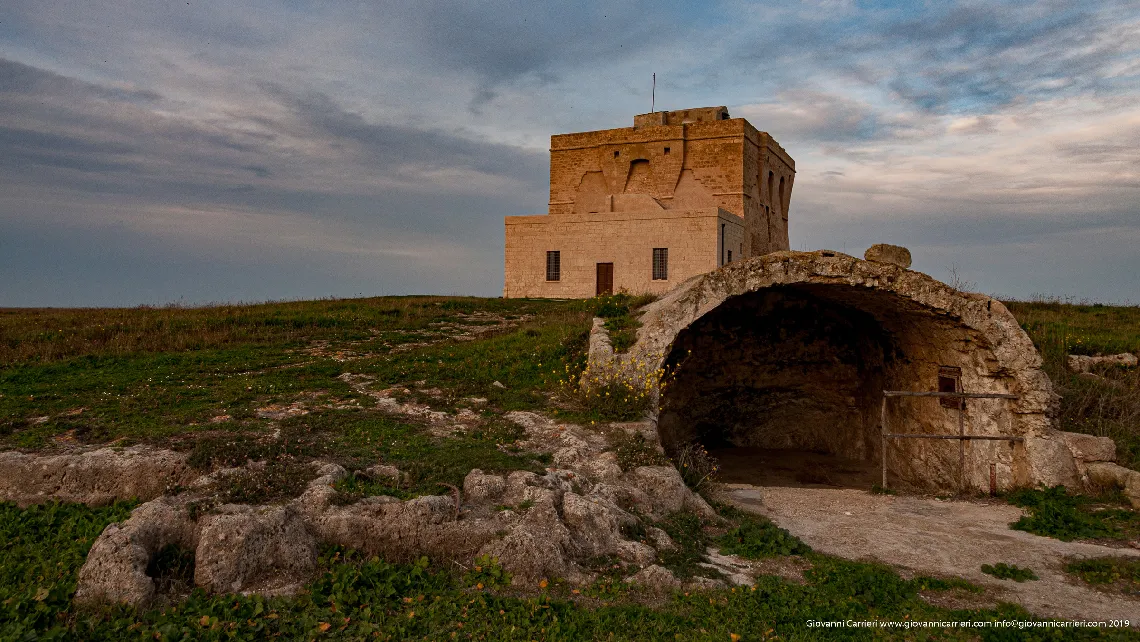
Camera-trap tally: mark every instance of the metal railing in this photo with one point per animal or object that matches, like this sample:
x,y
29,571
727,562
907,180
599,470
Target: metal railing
x,y
962,437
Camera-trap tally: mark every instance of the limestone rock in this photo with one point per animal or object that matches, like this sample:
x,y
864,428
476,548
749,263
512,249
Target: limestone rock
x,y
1109,475
1080,363
655,578
116,567
706,583
95,477
595,524
601,468
403,530
1088,448
884,253
1052,461
536,549
247,547
662,484
384,472
661,540
480,488
667,492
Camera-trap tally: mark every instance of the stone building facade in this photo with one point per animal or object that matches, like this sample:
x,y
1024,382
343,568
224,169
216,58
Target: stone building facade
x,y
644,208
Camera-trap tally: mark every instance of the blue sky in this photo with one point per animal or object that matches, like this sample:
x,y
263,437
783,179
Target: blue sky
x,y
155,152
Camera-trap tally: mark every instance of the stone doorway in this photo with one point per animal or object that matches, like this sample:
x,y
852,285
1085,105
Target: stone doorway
x,y
784,387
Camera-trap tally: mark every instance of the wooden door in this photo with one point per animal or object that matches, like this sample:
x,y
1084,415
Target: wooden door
x,y
605,279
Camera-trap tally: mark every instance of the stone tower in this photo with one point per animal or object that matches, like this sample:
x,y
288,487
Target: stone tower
x,y
643,208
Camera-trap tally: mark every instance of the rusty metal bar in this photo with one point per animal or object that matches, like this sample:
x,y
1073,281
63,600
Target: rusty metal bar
x,y
962,437
961,445
960,395
883,430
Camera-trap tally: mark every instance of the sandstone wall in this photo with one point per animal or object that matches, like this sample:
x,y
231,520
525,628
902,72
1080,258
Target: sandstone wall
x,y
625,239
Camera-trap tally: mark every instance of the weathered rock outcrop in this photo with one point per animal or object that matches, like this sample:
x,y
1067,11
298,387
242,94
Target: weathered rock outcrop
x,y
1081,363
539,526
94,477
116,567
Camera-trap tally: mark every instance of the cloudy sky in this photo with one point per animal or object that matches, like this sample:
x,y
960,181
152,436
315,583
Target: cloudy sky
x,y
155,152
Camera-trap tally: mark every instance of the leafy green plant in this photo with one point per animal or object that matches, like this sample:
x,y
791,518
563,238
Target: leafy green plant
x,y
1053,512
687,532
756,538
1004,571
41,550
926,583
486,573
1122,572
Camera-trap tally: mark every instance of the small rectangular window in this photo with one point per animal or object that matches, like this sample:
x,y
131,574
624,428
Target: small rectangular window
x,y
730,256
660,263
554,265
950,380
666,150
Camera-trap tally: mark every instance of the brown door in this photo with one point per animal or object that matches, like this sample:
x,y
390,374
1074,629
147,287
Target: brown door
x,y
605,279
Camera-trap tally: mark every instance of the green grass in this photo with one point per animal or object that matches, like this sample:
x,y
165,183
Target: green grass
x,y
162,375
1053,512
157,375
356,597
1108,406
621,314
1120,574
1004,571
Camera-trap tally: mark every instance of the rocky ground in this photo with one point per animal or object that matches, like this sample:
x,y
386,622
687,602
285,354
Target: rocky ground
x,y
944,538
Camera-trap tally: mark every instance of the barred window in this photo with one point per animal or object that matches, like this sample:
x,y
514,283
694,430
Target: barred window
x,y
554,265
660,263
950,380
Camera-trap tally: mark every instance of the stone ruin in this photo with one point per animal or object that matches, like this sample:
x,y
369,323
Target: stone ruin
x,y
793,350
538,526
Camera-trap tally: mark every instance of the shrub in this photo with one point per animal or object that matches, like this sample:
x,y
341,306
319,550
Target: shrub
x,y
698,468
634,450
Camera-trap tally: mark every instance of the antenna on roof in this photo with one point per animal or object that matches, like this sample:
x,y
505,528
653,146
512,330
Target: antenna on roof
x,y
653,95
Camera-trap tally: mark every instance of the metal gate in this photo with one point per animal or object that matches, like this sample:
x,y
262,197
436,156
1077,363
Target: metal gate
x,y
962,437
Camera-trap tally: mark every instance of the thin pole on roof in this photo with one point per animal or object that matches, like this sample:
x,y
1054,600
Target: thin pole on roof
x,y
653,95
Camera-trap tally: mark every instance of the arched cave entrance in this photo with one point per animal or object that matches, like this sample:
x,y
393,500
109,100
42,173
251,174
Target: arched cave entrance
x,y
784,385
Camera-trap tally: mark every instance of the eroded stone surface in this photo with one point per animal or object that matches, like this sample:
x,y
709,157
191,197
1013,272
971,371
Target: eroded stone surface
x,y
93,477
885,253
539,526
116,566
1084,363
817,338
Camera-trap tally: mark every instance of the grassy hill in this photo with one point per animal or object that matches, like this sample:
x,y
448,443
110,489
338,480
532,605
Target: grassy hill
x,y
274,381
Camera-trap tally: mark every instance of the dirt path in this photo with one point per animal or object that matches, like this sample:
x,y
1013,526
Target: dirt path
x,y
936,537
